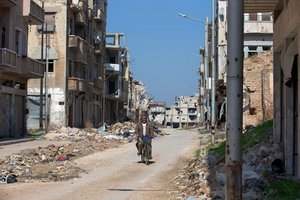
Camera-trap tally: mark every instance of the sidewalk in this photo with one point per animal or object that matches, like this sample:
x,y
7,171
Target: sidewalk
x,y
15,146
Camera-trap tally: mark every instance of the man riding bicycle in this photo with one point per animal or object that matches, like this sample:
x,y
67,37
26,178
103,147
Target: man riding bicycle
x,y
144,128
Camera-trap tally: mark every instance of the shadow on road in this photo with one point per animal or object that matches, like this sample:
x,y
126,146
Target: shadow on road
x,y
150,162
134,190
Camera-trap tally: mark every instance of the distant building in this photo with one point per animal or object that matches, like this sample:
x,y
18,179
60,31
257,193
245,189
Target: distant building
x,y
184,113
137,99
16,65
157,112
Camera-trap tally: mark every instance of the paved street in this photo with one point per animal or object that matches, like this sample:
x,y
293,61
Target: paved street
x,y
115,174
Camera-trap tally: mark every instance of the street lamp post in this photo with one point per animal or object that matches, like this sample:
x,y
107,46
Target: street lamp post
x,y
206,75
234,92
206,63
214,69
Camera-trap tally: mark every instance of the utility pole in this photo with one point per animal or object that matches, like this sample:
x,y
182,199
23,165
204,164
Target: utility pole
x,y
206,73
234,92
214,68
42,80
103,95
46,81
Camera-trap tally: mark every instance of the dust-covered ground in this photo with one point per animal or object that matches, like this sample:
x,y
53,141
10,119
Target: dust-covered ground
x,y
115,173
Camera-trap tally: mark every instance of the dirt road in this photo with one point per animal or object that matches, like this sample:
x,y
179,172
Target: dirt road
x,y
115,174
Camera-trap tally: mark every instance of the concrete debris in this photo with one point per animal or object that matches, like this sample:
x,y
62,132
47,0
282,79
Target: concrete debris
x,y
9,178
55,163
113,137
203,179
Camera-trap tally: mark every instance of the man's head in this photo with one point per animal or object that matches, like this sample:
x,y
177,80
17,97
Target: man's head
x,y
143,118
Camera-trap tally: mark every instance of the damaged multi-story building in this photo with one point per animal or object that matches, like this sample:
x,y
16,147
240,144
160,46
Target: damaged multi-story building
x,y
258,37
138,99
16,66
117,78
184,113
286,49
87,78
75,54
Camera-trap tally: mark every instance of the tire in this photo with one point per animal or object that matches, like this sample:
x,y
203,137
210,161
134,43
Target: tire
x,y
143,156
146,149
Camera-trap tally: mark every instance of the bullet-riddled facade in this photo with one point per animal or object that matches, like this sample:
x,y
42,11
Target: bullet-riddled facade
x,y
184,113
75,55
16,65
258,38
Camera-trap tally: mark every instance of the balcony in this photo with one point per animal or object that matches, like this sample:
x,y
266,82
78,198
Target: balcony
x,y
8,3
74,41
33,12
35,67
77,5
98,84
98,49
258,27
113,67
117,95
255,6
8,59
80,48
99,15
77,85
81,18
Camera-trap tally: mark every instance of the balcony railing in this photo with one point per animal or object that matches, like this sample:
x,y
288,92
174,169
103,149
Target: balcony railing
x,y
76,85
117,95
99,15
8,59
98,49
81,18
8,3
98,84
258,27
81,48
35,67
33,12
74,41
113,67
77,5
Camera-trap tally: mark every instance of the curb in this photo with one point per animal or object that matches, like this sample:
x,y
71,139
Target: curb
x,y
8,142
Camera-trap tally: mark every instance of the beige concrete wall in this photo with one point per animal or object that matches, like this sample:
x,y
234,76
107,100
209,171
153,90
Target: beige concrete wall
x,y
79,108
258,83
57,79
13,94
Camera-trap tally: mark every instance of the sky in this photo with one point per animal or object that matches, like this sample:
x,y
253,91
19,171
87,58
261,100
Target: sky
x,y
164,47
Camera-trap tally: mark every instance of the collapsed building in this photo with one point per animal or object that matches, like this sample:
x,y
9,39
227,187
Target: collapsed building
x,y
258,38
258,89
17,67
184,113
157,112
116,78
138,99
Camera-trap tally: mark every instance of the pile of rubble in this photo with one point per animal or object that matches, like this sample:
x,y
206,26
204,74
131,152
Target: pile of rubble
x,y
51,163
122,128
54,163
124,132
195,179
204,178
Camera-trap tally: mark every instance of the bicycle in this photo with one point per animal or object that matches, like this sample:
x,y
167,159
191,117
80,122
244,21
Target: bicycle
x,y
146,145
